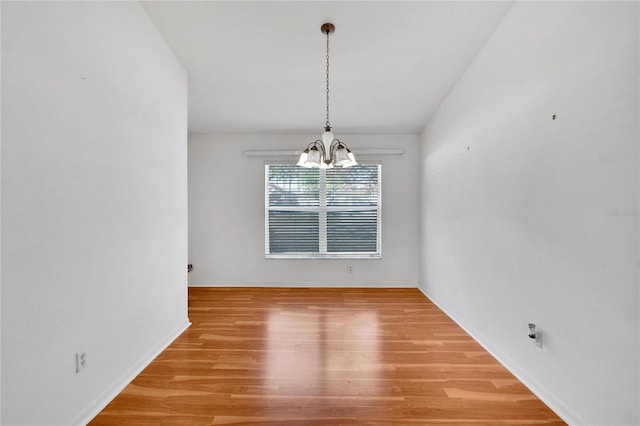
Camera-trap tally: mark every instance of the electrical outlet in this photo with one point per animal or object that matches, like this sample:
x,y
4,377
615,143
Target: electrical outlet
x,y
349,269
81,361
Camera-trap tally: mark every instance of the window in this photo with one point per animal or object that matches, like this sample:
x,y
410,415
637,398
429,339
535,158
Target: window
x,y
322,213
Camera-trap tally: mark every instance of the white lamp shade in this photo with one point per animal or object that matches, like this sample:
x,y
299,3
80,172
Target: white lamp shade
x,y
303,158
352,158
314,158
342,156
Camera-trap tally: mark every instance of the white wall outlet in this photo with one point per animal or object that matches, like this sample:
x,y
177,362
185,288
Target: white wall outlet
x,y
349,269
81,361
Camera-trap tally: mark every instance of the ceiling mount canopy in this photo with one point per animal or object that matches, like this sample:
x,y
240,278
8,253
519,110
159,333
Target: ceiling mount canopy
x,y
328,28
327,152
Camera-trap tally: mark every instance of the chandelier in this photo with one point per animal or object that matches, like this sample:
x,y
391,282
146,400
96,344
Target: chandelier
x,y
327,152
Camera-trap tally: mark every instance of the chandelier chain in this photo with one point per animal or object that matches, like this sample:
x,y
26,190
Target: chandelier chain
x,y
327,124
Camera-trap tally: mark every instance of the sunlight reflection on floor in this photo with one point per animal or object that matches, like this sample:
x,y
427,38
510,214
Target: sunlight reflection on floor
x,y
312,349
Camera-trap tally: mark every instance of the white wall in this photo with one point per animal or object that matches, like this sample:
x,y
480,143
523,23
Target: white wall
x,y
94,204
529,219
0,218
226,216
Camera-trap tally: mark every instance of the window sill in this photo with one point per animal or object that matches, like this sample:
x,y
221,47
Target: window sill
x,y
324,256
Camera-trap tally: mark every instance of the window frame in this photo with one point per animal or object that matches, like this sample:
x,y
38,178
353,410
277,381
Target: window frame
x,y
322,210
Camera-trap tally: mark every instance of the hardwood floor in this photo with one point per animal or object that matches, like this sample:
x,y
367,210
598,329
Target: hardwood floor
x,y
323,357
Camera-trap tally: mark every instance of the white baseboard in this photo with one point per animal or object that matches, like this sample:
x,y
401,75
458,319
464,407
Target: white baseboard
x,y
283,284
93,409
538,389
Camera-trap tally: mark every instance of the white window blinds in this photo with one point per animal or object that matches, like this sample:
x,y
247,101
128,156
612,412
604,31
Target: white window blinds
x,y
317,213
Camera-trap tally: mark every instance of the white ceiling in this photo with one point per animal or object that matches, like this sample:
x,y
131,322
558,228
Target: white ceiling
x,y
259,66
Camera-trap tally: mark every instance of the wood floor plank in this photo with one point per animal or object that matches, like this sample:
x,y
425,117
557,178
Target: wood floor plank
x,y
292,356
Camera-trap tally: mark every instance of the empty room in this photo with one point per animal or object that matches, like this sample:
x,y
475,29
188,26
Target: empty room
x,y
320,213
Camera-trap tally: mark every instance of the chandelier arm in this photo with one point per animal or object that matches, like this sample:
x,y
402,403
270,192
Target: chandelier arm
x,y
335,144
318,143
